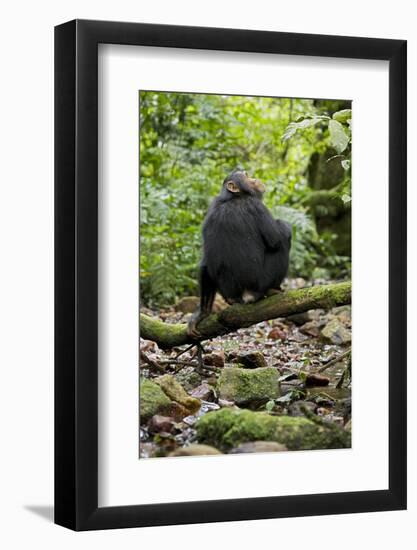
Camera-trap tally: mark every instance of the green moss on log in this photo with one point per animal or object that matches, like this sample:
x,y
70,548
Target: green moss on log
x,y
168,334
238,316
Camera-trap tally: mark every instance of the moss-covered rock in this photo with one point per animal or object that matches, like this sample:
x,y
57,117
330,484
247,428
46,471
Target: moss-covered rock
x,y
228,428
152,400
245,386
173,389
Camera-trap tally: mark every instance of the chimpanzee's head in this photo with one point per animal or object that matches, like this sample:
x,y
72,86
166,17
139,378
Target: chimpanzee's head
x,y
239,184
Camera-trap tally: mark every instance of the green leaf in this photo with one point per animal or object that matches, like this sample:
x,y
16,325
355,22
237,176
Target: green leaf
x,y
270,406
343,116
287,398
302,125
338,136
302,376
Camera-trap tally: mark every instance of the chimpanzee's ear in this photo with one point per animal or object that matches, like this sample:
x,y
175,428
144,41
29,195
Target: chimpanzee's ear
x,y
232,187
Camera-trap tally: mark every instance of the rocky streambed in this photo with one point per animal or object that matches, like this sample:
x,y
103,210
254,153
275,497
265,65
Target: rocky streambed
x,y
276,386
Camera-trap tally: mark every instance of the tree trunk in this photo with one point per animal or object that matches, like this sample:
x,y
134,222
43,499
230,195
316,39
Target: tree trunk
x,y
238,316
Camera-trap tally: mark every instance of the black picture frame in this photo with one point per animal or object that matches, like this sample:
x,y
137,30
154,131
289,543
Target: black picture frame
x,y
76,272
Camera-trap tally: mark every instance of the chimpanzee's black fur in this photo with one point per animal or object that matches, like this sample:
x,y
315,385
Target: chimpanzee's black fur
x,y
245,251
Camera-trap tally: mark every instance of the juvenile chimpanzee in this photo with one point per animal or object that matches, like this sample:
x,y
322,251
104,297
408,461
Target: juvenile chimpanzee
x,y
245,251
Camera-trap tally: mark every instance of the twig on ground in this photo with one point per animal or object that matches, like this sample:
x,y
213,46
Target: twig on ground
x,y
182,364
176,362
151,362
334,361
185,350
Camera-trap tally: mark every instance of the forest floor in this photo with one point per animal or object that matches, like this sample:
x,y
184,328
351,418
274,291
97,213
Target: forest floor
x,y
283,384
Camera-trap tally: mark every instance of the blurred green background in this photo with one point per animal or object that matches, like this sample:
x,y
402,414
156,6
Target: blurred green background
x,y
300,149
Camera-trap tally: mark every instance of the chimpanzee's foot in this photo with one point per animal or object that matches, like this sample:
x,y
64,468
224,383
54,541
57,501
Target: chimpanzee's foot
x,y
192,330
250,296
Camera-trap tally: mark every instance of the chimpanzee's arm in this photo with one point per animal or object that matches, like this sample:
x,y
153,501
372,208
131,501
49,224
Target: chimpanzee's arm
x,y
286,230
273,233
207,294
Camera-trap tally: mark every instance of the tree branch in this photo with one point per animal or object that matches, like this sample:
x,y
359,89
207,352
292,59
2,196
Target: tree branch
x,y
239,316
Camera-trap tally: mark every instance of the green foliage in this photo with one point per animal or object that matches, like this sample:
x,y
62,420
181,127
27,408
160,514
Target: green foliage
x,y
343,116
338,128
338,137
304,122
304,256
190,142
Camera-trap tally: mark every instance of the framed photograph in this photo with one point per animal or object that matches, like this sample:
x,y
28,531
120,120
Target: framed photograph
x,y
230,284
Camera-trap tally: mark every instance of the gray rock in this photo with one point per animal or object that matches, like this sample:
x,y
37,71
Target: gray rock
x,y
344,313
336,333
311,328
252,360
204,392
196,450
259,447
188,378
296,408
306,316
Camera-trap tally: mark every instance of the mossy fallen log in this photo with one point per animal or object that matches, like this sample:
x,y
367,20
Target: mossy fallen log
x,y
168,335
